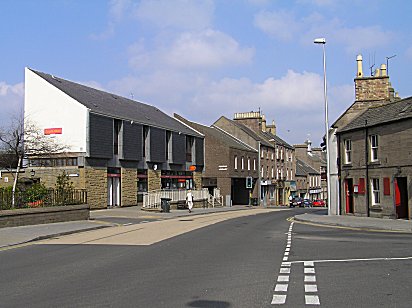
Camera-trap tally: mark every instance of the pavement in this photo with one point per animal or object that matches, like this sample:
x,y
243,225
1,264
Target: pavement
x,y
106,218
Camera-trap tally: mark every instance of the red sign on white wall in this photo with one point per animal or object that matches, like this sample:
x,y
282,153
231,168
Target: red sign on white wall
x,y
53,131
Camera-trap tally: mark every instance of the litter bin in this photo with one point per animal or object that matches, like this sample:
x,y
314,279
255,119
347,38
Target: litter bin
x,y
165,204
254,201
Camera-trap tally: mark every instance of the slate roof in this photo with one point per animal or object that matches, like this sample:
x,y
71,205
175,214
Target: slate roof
x,y
277,139
303,169
222,136
251,133
396,111
115,106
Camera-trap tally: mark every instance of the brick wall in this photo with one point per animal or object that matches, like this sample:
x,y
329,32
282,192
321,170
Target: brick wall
x,y
129,187
96,185
197,179
153,180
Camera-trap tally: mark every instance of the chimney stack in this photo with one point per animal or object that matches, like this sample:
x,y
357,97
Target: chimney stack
x,y
360,69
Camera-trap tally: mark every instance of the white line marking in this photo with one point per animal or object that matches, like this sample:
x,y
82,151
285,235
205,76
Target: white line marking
x,y
278,299
283,278
128,224
310,288
285,259
286,253
281,287
285,270
309,270
288,246
287,249
356,260
309,263
286,263
310,278
312,300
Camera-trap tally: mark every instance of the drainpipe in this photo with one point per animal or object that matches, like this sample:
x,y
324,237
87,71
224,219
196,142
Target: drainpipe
x,y
367,168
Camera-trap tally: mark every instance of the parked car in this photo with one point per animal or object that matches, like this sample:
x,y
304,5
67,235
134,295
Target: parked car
x,y
296,201
307,203
318,202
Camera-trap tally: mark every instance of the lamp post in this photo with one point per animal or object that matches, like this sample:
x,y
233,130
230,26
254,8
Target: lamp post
x,y
322,41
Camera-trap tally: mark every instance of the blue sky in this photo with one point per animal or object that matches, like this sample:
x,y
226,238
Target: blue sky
x,y
204,58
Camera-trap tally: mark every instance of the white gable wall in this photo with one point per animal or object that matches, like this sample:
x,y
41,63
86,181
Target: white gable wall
x,y
48,107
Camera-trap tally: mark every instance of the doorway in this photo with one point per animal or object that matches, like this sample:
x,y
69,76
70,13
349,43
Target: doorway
x,y
113,191
401,198
349,196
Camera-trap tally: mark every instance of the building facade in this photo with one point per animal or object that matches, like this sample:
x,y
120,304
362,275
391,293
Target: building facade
x,y
308,181
230,165
118,148
376,162
276,162
370,91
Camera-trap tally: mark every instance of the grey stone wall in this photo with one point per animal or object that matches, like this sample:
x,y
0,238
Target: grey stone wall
x,y
35,216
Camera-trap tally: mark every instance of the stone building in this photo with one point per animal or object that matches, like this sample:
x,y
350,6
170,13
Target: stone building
x,y
119,148
229,165
277,159
308,181
370,91
375,151
315,158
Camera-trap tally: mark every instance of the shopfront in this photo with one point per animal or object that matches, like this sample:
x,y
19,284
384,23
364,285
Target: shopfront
x,y
177,180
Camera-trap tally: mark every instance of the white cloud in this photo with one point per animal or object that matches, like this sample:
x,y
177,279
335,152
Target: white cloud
x,y
11,102
363,38
182,14
285,26
281,25
206,49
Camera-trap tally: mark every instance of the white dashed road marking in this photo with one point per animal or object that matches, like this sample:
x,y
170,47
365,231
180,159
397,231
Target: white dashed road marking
x,y
281,288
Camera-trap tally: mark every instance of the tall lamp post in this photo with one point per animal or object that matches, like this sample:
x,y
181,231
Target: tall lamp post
x,y
322,41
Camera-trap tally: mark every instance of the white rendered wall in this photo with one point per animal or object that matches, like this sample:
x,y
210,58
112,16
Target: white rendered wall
x,y
48,107
334,178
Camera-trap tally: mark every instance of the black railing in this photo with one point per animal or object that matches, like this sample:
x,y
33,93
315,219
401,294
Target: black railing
x,y
52,197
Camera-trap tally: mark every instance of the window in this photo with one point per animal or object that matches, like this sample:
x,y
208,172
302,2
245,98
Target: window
x,y
262,154
254,164
273,172
248,163
348,151
277,153
375,191
243,163
235,162
267,154
287,174
116,138
168,145
374,147
145,141
291,174
261,172
272,153
189,148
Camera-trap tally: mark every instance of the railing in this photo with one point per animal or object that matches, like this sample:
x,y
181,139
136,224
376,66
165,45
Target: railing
x,y
51,197
152,200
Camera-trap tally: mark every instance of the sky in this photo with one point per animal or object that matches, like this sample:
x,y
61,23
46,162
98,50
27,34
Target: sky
x,y
204,59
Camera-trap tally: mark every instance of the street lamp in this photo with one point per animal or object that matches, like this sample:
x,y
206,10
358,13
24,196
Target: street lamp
x,y
322,41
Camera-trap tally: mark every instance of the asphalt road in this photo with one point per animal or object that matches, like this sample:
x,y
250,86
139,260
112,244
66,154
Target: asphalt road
x,y
240,262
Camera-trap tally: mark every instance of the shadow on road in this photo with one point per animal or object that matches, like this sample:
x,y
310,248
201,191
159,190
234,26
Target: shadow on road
x,y
208,304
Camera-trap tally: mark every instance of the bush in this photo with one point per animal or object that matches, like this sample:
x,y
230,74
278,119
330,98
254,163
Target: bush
x,y
35,195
